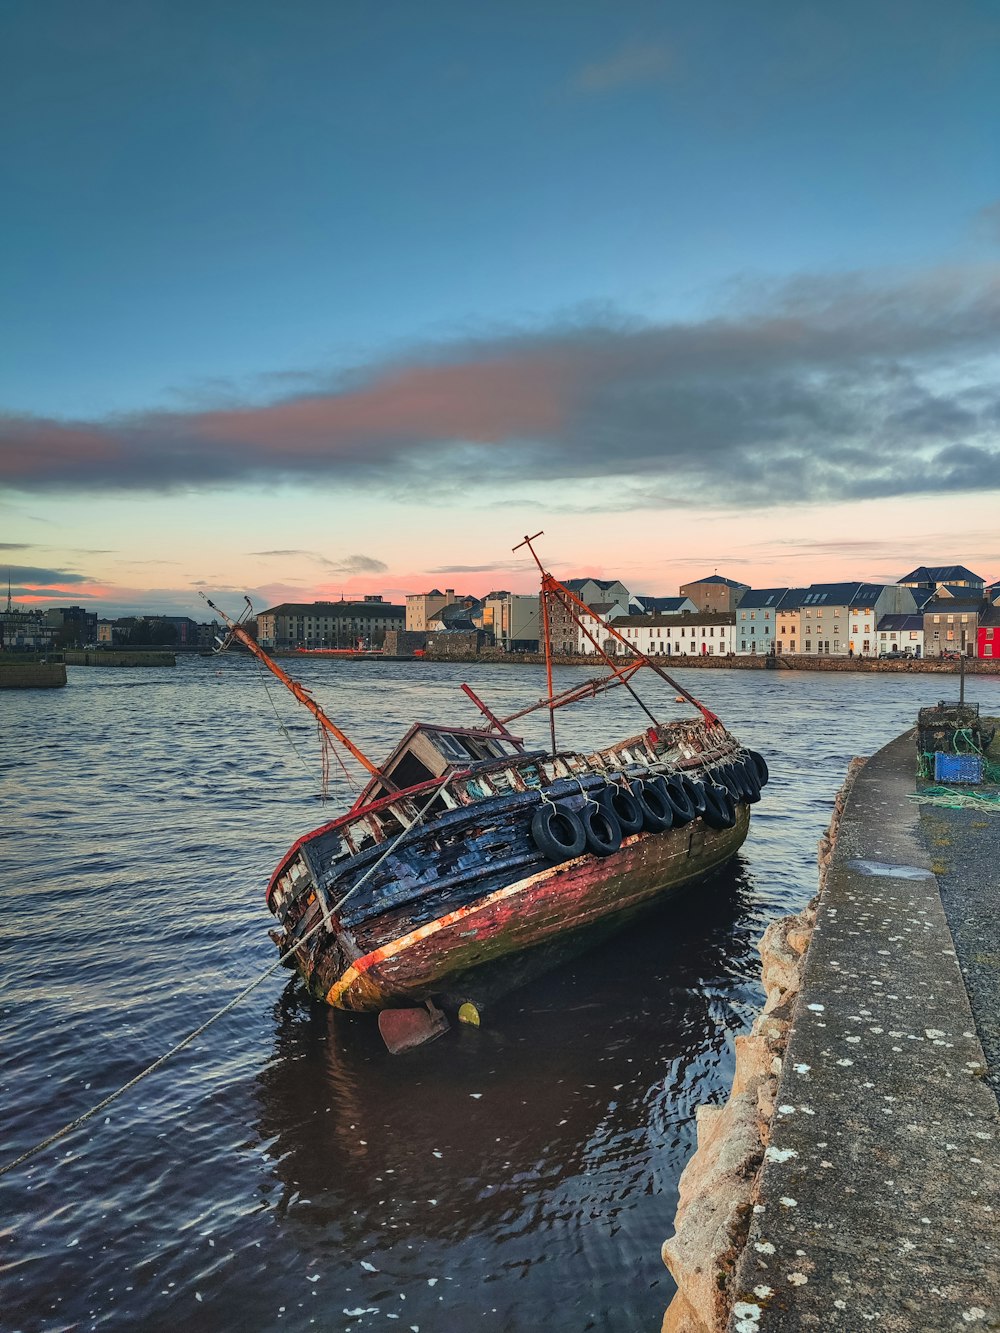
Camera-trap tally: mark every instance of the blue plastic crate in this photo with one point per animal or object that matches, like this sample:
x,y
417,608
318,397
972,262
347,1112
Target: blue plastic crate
x,y
958,767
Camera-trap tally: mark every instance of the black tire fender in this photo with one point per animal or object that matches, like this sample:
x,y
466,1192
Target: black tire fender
x,y
751,787
623,805
720,808
557,832
725,775
601,829
676,789
695,788
654,805
760,767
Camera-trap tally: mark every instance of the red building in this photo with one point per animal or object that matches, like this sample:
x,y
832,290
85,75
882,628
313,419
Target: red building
x,y
988,638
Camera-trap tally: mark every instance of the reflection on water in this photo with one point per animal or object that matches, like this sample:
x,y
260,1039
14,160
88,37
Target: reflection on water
x,y
284,1171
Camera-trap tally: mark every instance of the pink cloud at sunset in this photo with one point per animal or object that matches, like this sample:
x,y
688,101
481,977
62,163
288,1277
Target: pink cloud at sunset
x,y
826,390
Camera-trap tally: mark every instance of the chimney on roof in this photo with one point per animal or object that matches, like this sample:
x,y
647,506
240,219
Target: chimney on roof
x,y
450,594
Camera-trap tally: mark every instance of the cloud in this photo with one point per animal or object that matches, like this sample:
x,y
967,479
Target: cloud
x,y
633,63
33,577
351,564
822,389
498,567
15,546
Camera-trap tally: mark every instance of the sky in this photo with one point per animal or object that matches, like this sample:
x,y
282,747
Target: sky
x,y
333,298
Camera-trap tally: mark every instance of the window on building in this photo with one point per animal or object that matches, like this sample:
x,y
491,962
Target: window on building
x,y
808,645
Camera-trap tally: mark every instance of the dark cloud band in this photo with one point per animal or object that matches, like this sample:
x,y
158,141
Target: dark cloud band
x,y
822,390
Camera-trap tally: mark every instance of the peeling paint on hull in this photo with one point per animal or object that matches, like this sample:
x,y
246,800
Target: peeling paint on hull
x,y
406,968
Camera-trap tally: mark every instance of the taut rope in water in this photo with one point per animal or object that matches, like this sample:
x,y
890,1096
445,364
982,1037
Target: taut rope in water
x,y
186,1041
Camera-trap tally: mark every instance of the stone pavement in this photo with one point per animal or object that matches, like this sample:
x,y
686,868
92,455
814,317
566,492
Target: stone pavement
x,y
880,1192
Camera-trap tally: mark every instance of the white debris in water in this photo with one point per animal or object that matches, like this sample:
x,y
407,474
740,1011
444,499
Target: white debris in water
x,y
786,1202
475,1095
786,1110
844,1064
934,1032
432,1281
816,1008
369,1268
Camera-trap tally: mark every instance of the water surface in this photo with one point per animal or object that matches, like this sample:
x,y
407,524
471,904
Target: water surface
x,y
284,1171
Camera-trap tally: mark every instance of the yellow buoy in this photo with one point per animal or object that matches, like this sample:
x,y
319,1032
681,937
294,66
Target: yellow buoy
x,y
468,1013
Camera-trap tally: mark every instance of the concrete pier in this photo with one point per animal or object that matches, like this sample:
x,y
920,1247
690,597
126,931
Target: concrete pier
x,y
853,1177
879,1197
32,675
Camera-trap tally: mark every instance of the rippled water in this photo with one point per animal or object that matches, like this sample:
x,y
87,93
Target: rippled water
x,y
284,1171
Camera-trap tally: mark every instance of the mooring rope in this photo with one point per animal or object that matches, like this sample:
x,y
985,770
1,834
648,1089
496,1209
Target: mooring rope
x,y
186,1041
955,799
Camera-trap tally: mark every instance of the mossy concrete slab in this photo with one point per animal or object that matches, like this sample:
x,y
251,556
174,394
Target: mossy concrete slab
x,y
880,1193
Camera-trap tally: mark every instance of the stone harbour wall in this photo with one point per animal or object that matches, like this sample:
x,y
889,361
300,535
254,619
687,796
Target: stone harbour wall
x,y
718,1188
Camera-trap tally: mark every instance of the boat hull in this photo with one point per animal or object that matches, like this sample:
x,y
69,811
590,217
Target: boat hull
x,y
417,964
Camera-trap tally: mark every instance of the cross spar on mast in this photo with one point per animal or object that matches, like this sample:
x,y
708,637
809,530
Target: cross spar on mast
x,y
236,631
552,586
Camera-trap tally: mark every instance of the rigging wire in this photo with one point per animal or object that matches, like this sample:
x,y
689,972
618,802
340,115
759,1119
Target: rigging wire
x,y
231,1004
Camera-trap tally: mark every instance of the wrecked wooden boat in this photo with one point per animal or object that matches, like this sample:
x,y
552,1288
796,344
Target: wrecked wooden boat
x,y
466,848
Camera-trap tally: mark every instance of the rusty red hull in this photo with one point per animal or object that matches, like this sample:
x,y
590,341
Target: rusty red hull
x,y
415,964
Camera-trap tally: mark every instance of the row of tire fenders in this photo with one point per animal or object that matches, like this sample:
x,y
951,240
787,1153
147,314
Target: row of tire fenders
x,y
651,804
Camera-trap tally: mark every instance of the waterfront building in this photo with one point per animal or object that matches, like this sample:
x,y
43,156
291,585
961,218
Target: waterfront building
x,y
691,634
513,619
838,619
901,634
24,629
938,576
756,620
988,636
464,615
422,607
661,606
72,625
951,625
340,624
714,593
609,594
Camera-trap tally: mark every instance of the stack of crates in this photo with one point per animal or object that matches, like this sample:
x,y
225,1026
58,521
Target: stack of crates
x,y
938,734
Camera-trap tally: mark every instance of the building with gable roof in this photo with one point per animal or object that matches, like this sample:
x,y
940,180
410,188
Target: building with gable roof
x,y
693,634
903,634
951,625
610,594
935,576
714,593
663,606
756,620
838,619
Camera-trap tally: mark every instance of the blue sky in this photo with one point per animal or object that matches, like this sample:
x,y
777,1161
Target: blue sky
x,y
221,207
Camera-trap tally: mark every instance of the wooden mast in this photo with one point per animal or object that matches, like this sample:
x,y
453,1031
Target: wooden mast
x,y
546,632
